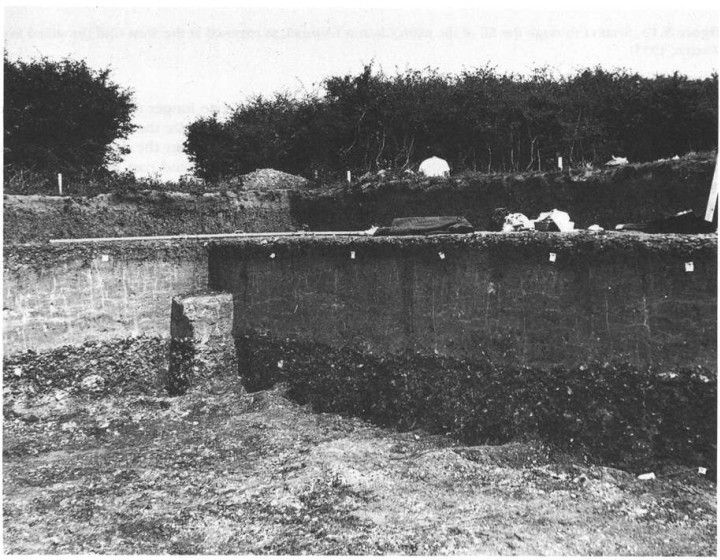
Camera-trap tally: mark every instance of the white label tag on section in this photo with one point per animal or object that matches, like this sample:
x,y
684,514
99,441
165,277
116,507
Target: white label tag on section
x,y
553,257
352,254
689,266
441,255
105,258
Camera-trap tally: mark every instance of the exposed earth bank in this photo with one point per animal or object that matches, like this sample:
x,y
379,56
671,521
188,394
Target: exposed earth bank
x,y
268,200
97,459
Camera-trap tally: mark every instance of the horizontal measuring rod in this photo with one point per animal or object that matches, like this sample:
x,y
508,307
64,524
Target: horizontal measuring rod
x,y
215,236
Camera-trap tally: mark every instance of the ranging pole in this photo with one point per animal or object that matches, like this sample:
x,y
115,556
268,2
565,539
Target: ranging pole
x,y
712,200
365,233
60,182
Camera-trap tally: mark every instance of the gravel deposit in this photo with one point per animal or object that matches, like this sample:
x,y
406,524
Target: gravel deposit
x,y
271,179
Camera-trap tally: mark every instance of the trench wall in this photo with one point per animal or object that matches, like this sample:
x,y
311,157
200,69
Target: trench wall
x,y
37,218
70,293
632,193
497,297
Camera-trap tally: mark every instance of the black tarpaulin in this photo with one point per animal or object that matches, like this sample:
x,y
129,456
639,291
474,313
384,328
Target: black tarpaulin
x,y
428,225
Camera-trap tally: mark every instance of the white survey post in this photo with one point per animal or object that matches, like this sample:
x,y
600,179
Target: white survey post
x,y
712,200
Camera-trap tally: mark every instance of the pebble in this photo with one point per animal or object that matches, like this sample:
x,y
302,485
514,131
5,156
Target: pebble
x,y
93,383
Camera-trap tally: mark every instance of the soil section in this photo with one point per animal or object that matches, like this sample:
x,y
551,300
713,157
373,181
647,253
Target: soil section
x,y
98,460
606,196
533,299
39,218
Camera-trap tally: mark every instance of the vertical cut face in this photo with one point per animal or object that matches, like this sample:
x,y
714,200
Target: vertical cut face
x,y
538,299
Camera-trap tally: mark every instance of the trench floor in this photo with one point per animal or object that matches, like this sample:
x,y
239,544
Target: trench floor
x,y
221,471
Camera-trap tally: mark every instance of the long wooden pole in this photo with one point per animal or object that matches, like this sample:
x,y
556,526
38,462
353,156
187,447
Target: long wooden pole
x,y
216,236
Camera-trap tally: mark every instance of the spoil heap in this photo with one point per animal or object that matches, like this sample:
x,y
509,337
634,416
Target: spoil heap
x,y
271,179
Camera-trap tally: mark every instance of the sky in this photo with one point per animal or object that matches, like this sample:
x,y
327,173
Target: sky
x,y
185,62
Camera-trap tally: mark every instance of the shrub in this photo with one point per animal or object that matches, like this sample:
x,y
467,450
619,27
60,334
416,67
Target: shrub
x,y
63,116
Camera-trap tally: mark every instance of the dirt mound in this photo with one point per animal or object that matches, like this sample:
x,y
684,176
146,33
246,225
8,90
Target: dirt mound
x,y
271,179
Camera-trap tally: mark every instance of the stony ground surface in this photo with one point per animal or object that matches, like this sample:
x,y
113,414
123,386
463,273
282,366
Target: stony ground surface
x,y
91,466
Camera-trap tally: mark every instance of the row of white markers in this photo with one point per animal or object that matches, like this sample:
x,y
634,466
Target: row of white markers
x,y
689,266
352,255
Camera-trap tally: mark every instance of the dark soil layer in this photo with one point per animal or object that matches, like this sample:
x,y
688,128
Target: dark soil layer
x,y
98,460
46,257
492,293
528,246
123,366
607,197
614,413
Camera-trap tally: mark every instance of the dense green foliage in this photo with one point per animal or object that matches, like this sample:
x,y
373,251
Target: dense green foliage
x,y
479,120
617,413
63,117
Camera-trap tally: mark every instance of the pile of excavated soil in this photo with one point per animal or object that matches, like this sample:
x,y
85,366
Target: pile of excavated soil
x,y
271,179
